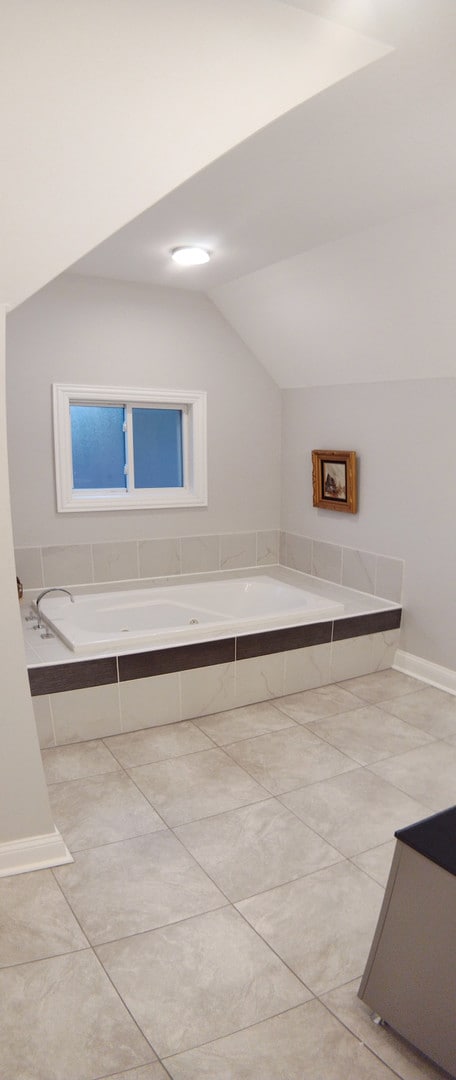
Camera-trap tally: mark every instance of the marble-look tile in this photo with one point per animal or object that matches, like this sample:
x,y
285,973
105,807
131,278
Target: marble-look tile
x,y
368,734
321,925
200,554
43,720
159,558
315,704
237,549
382,685
407,1063
283,548
267,547
68,565
284,760
136,885
384,648
377,861
427,774
28,567
84,714
298,553
430,709
326,560
115,561
358,569
149,702
350,658
100,810
255,848
61,1017
77,761
207,690
259,678
389,577
301,1044
158,744
304,669
148,1072
200,979
35,919
187,788
243,723
352,812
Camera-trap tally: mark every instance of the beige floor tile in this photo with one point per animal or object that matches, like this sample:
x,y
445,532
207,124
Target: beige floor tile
x,y
157,744
430,709
148,1072
381,685
199,980
369,734
394,1051
287,759
301,1044
136,885
428,774
195,786
315,704
255,848
244,723
321,925
100,810
35,919
62,1018
77,761
377,862
354,812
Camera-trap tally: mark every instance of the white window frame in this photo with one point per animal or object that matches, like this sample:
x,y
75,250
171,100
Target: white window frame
x,y
194,448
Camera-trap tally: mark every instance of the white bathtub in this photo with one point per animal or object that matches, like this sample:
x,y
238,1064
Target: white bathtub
x,y
173,614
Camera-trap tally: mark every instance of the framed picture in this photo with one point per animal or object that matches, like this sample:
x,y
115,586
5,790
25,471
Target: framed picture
x,y
334,480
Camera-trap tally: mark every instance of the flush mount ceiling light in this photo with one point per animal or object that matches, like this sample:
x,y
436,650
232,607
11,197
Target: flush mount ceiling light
x,y
190,256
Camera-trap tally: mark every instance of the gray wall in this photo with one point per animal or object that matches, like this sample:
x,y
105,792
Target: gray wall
x,y
91,330
404,433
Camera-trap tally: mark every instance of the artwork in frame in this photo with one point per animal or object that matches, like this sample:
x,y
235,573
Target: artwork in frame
x,y
334,480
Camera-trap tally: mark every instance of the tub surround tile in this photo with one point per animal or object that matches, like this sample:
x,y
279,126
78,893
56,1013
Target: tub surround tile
x,y
149,702
373,623
239,980
195,786
29,567
117,561
292,1045
243,723
41,1044
180,658
358,569
320,925
326,561
384,646
36,920
259,678
349,658
377,861
315,704
367,734
159,558
144,747
255,848
100,810
207,690
389,578
136,885
354,812
430,709
283,548
86,714
43,720
52,678
298,553
237,550
70,565
307,668
288,759
77,761
427,774
267,547
200,554
274,641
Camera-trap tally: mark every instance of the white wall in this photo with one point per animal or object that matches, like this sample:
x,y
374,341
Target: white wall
x,y
91,330
404,433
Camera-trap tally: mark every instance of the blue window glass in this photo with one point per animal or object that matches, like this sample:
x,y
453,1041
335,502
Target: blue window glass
x,y
157,443
98,444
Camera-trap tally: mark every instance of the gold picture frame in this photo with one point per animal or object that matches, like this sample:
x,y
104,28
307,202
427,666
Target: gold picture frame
x,y
334,480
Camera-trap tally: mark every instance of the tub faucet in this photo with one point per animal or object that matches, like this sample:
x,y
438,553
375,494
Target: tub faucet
x,y
56,588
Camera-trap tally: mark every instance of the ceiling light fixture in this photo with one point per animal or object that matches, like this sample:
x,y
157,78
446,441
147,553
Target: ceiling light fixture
x,y
190,256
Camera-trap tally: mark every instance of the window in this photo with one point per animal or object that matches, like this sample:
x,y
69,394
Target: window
x,y
117,448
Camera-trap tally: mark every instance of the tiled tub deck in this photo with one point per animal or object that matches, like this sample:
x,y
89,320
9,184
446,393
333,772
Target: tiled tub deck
x,y
86,697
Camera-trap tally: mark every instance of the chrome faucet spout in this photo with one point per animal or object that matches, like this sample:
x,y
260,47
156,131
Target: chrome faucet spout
x,y
45,592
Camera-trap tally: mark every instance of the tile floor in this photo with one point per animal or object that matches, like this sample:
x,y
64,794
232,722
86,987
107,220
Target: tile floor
x,y
227,881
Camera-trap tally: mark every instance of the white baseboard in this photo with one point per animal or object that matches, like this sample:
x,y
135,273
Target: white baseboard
x,y
33,853
442,677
